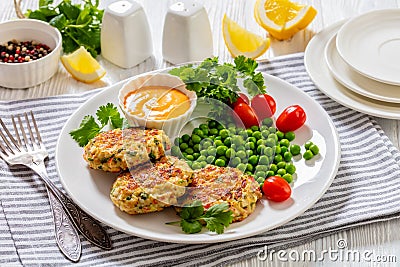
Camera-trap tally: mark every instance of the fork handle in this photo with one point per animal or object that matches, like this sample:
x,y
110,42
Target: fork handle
x,y
86,225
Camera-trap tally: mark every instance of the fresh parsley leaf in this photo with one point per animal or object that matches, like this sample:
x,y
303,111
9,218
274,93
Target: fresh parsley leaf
x,y
109,113
89,128
86,131
215,219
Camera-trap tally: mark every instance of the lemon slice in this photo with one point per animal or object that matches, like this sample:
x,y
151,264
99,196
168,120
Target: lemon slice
x,y
283,18
82,66
239,41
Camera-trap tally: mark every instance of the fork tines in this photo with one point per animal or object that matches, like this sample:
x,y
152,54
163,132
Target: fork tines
x,y
19,144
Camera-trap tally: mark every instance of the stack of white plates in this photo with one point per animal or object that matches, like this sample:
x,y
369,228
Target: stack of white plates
x,y
357,62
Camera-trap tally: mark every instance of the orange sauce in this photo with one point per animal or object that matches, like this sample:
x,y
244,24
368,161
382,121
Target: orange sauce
x,y
157,102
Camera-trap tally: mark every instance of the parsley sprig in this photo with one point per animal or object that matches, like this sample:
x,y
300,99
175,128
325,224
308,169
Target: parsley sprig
x,y
79,24
89,128
215,219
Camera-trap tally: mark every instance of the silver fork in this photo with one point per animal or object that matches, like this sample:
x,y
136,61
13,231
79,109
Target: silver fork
x,y
20,151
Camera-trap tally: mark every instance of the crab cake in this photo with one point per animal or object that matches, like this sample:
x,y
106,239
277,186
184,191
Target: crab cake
x,y
117,150
213,185
151,187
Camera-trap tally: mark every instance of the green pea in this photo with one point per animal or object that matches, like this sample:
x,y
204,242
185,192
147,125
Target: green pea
x,y
284,149
178,141
190,143
196,155
212,124
218,138
213,131
294,149
263,128
203,164
221,150
254,128
284,142
260,180
175,151
290,168
249,132
189,151
220,127
260,149
278,158
224,133
251,139
272,129
260,174
232,130
242,167
220,162
314,149
268,151
229,153
265,133
278,150
204,152
290,136
223,158
196,139
206,132
190,157
253,160
308,155
249,153
228,141
270,142
218,143
196,165
237,140
281,165
188,162
268,122
249,167
288,177
183,146
231,125
281,172
260,142
185,138
308,144
203,126
249,145
241,154
197,131
270,173
287,156
263,160
235,161
273,167
243,134
202,158
196,147
257,135
263,168
210,159
280,135
240,148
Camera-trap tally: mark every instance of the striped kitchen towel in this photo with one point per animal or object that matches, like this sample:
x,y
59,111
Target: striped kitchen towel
x,y
366,189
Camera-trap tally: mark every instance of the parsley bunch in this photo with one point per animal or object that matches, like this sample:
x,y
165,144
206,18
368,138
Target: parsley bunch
x,y
89,128
211,79
215,219
79,24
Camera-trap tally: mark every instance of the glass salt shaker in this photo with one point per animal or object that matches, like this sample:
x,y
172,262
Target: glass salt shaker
x,y
125,34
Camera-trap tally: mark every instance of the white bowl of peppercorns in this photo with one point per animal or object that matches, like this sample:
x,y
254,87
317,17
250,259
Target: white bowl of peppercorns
x,y
29,52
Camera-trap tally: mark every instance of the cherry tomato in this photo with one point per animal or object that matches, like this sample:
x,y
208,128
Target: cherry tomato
x,y
264,106
246,114
292,118
241,99
276,188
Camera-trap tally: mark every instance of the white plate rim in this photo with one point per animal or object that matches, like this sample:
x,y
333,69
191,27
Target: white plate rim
x,y
348,82
319,73
199,238
351,26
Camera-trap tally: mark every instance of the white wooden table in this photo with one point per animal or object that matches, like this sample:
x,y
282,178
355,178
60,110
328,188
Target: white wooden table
x,y
382,238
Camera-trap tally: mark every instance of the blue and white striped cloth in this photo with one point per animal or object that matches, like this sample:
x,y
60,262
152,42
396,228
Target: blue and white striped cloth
x,y
366,189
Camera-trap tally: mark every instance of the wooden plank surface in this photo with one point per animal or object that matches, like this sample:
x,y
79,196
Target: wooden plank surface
x,y
381,238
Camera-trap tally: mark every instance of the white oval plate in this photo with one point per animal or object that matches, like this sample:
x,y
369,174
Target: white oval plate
x,y
370,44
321,76
357,82
90,188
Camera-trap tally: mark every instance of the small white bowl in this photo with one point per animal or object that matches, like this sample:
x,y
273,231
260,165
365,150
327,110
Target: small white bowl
x,y
28,74
170,126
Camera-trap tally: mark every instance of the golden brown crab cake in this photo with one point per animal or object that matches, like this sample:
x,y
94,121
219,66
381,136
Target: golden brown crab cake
x,y
151,187
213,185
116,150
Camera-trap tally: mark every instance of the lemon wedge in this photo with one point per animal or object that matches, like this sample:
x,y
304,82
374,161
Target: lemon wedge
x,y
82,66
283,18
240,41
